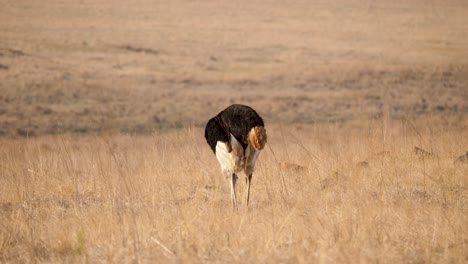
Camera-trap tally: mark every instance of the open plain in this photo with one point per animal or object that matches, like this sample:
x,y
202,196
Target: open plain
x,y
103,103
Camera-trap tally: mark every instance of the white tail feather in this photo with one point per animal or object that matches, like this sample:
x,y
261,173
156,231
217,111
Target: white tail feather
x,y
230,157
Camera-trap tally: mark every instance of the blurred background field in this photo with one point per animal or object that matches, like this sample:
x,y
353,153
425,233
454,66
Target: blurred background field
x,y
145,65
103,103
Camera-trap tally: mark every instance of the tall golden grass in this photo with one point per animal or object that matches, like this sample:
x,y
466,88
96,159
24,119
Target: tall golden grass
x,y
361,195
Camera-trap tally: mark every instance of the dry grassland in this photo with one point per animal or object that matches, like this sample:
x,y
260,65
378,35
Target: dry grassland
x,y
361,195
102,155
96,66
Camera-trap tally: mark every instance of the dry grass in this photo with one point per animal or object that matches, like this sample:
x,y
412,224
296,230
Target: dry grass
x,y
366,108
147,65
364,196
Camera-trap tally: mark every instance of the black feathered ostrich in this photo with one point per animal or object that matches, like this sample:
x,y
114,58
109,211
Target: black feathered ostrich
x,y
236,136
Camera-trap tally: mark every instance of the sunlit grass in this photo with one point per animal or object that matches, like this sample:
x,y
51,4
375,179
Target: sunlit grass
x,y
364,196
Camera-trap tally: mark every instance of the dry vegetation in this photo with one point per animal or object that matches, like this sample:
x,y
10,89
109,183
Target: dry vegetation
x,y
115,66
102,156
362,195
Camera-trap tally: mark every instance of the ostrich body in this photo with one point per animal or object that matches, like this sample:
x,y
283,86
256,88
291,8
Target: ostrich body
x,y
236,136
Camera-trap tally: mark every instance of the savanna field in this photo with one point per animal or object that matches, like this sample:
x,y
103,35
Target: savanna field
x,y
102,149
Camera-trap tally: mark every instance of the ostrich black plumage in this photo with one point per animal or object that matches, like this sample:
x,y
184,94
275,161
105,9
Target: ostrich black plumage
x,y
236,136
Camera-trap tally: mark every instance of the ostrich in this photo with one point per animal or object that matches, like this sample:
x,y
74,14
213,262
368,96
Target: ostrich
x,y
236,136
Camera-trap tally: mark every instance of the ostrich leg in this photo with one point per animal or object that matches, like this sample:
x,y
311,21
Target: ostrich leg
x,y
233,191
249,180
